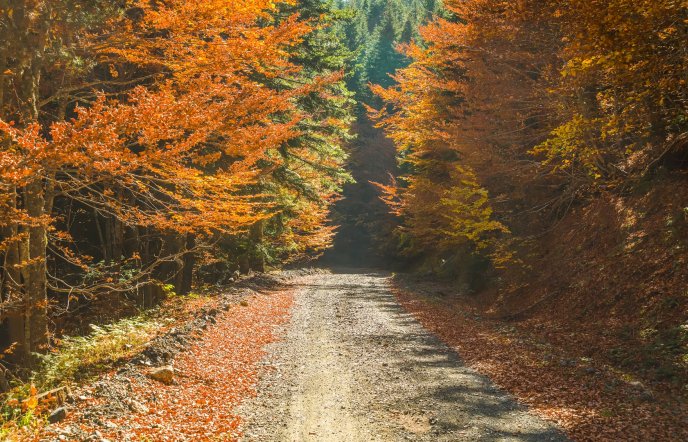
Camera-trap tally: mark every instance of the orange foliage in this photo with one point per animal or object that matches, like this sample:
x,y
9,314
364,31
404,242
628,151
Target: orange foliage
x,y
539,95
190,143
175,142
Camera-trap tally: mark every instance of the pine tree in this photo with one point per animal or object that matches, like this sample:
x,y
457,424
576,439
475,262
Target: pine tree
x,y
306,172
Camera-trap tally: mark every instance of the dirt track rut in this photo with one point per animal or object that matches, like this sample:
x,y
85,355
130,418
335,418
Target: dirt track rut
x,y
354,366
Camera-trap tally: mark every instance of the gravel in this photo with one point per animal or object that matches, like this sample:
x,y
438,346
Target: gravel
x,y
355,366
112,395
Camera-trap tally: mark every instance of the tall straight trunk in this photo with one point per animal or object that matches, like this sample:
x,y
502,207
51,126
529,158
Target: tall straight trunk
x,y
35,271
171,270
10,280
29,327
257,256
117,235
149,291
102,236
3,67
189,264
25,277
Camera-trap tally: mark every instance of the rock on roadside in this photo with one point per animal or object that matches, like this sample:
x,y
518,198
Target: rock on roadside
x,y
58,415
163,374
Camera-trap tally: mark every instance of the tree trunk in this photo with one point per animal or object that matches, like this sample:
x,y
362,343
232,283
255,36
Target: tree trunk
x,y
170,270
30,46
35,271
150,290
257,256
25,261
117,229
186,280
102,236
12,292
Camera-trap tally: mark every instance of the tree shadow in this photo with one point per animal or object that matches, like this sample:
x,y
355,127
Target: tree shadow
x,y
465,405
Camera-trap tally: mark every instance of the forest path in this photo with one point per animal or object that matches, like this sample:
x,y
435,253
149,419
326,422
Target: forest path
x,y
353,365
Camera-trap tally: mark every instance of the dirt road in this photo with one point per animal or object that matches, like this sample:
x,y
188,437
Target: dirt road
x,y
354,366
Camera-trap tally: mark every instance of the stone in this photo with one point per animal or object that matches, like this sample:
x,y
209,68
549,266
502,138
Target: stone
x,y
137,407
637,384
163,374
58,415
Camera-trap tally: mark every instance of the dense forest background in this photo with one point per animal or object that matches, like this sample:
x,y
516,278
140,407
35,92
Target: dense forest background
x,y
365,235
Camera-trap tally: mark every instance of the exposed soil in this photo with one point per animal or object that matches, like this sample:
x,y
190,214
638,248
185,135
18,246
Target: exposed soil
x,y
355,366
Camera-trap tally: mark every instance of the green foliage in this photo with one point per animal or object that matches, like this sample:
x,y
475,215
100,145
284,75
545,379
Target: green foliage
x,y
168,290
307,172
375,31
74,359
77,357
18,411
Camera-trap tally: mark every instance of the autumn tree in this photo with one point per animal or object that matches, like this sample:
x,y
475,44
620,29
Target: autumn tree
x,y
39,40
306,173
442,202
174,153
543,103
621,91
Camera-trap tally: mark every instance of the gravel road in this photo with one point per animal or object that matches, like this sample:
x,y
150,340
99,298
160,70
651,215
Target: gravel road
x,y
354,366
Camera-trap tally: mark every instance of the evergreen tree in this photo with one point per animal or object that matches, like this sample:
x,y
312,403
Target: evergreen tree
x,y
378,27
306,173
373,33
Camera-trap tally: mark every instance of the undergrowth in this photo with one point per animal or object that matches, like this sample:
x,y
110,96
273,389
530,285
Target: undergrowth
x,y
73,359
76,358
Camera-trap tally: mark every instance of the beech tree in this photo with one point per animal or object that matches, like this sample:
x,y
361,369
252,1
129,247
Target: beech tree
x,y
175,153
621,90
39,39
543,103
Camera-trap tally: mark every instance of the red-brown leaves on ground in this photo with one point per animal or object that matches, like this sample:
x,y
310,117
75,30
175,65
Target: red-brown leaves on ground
x,y
212,378
590,403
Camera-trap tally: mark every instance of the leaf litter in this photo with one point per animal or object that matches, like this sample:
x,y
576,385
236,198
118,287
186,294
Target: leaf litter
x,y
592,403
215,360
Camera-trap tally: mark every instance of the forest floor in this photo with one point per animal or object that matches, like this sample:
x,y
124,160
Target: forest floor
x,y
327,357
187,382
552,373
359,356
